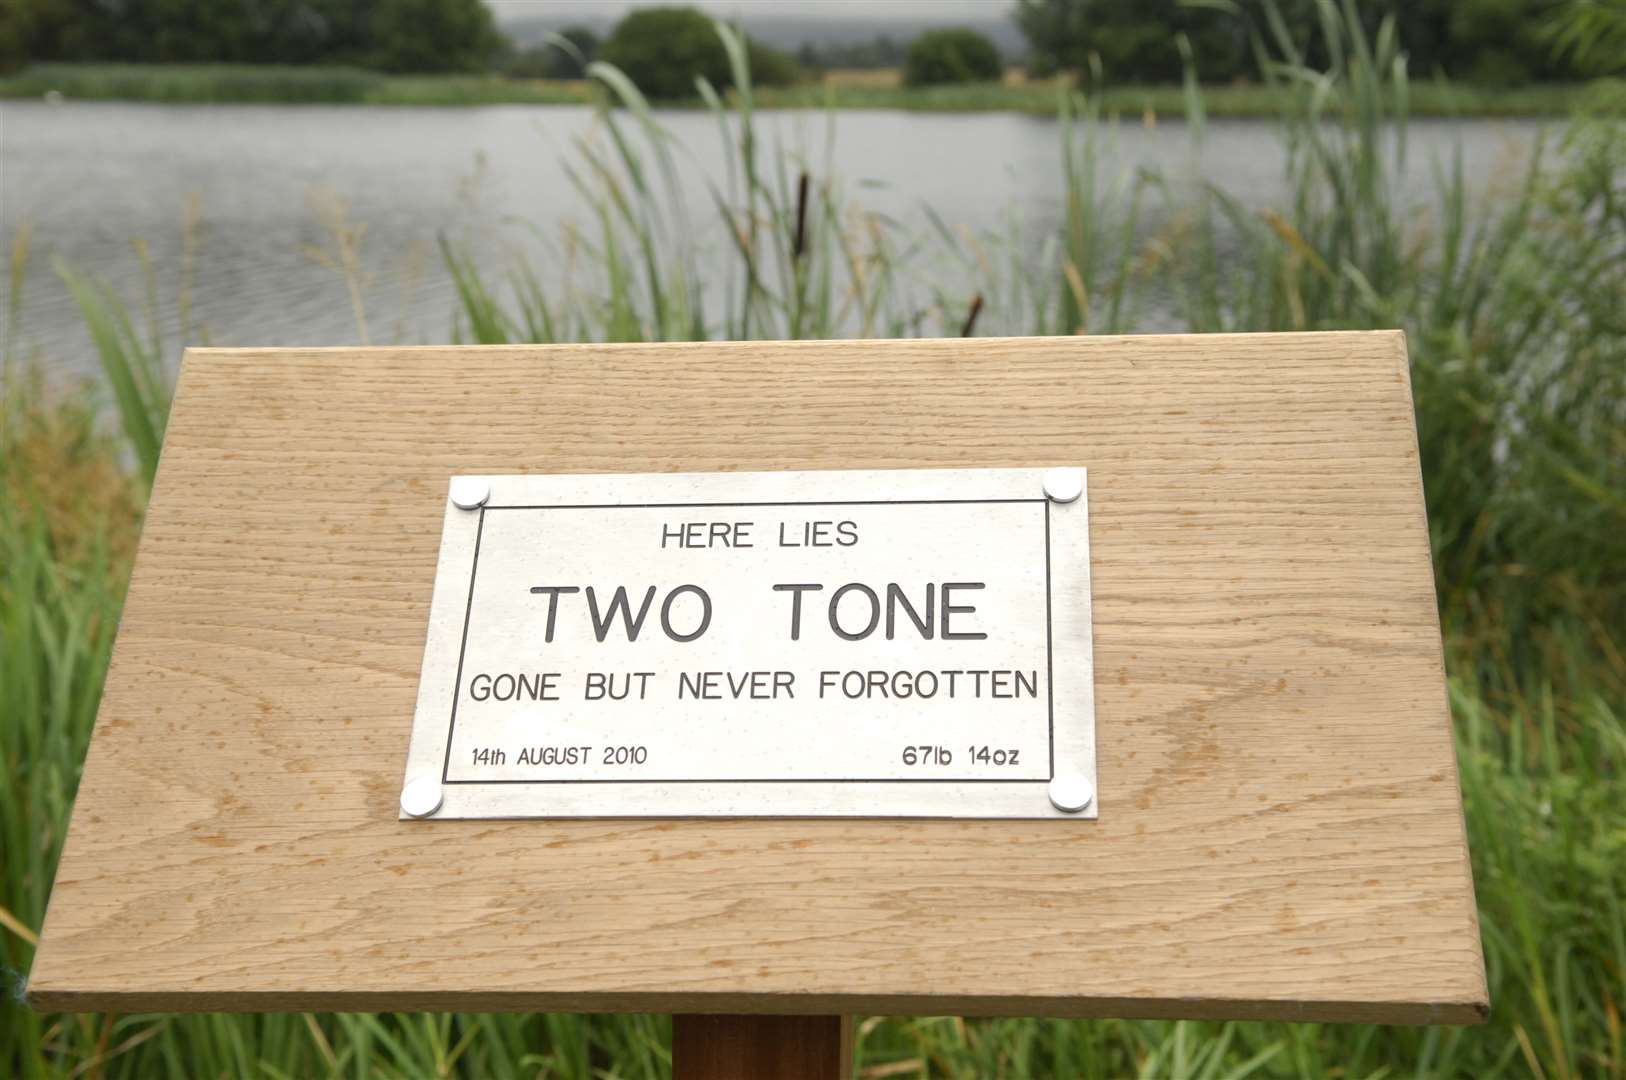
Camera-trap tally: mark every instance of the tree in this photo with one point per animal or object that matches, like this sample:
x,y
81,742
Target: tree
x,y
1480,41
433,35
400,35
951,55
770,66
1134,40
37,29
1592,34
663,51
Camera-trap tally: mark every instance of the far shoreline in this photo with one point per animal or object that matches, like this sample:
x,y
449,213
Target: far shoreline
x,y
286,85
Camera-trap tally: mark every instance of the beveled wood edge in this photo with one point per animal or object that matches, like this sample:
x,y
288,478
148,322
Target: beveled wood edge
x,y
205,352
1467,1011
1402,362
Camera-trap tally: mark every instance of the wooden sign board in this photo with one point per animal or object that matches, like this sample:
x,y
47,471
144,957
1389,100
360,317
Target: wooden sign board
x,y
1280,830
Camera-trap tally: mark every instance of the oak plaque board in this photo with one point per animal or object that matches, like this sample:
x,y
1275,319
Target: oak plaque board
x,y
819,644
1281,833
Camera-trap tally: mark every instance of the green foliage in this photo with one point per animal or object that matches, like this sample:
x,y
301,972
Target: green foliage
x,y
1491,42
951,55
1592,33
665,50
1495,42
393,35
132,365
1130,40
770,66
1502,42
433,35
564,55
68,517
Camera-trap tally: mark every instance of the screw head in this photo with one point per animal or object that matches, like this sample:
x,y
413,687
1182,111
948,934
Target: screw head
x,y
1063,485
421,797
470,492
1071,793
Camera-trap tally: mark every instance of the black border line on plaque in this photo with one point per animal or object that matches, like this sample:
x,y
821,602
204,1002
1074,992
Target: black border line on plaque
x,y
1050,667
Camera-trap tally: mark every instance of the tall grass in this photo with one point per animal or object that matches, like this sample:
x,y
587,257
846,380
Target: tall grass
x,y
1515,310
800,261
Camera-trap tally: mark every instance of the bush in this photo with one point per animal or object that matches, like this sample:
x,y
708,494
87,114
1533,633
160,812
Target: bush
x,y
770,66
663,51
433,35
955,55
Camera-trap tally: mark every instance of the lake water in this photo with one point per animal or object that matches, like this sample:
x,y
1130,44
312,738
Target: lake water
x,y
89,180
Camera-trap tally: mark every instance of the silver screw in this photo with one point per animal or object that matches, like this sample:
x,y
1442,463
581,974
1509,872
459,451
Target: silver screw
x,y
1071,793
470,492
1063,485
421,797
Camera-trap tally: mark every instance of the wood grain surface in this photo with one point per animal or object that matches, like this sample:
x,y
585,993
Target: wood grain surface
x,y
1281,830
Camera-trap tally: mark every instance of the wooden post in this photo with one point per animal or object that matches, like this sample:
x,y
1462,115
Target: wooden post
x,y
733,1047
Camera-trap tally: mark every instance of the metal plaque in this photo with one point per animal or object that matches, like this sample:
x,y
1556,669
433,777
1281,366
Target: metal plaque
x,y
908,643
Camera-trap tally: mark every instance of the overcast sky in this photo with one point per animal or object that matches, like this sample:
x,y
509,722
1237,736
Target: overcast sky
x,y
926,11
